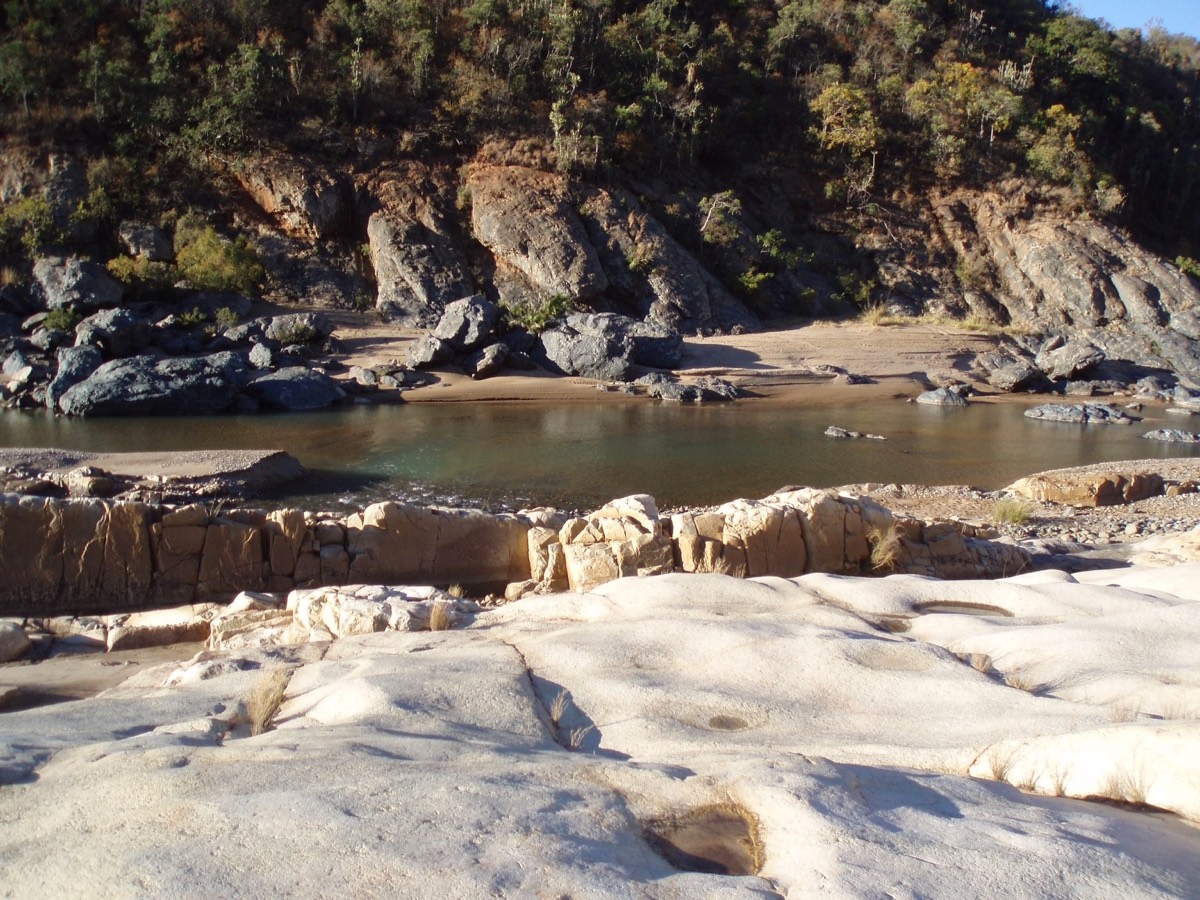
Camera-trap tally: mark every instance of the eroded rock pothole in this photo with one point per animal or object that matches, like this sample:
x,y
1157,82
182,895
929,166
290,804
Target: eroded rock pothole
x,y
716,840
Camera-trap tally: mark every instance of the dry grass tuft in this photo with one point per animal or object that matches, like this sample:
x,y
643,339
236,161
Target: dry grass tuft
x,y
1126,786
558,708
885,548
9,275
441,617
875,314
1125,711
265,697
1058,780
980,662
1012,511
1021,678
578,736
456,590
1000,761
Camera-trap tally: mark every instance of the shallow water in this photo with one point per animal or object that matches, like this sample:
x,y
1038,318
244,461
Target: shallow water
x,y
578,455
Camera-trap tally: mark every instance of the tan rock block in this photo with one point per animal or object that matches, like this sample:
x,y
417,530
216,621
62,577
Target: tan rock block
x,y
31,554
589,566
540,540
192,514
334,565
824,532
232,560
128,566
308,570
285,530
182,540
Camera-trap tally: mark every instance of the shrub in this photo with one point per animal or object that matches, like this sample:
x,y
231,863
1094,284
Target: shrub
x,y
226,318
29,224
62,319
297,333
1188,266
139,272
190,318
537,317
209,262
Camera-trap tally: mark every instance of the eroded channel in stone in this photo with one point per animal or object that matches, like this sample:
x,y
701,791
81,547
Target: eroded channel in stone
x,y
718,840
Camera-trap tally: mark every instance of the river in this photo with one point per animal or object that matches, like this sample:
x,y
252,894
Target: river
x,y
578,455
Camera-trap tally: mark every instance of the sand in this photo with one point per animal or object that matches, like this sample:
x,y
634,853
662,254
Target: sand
x,y
781,364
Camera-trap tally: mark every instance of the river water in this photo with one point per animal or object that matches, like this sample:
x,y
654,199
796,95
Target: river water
x,y
579,455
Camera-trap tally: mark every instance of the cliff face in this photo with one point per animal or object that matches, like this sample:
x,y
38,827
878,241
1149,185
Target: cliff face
x,y
1077,278
409,236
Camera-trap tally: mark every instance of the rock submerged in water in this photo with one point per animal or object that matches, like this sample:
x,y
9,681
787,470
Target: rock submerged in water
x,y
1081,414
834,432
607,347
295,388
1173,436
943,397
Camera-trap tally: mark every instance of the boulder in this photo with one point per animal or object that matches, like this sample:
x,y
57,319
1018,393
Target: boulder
x,y
606,346
1172,435
525,218
295,388
118,332
76,283
146,241
261,356
418,262
428,351
299,328
1089,489
147,386
74,365
942,397
1067,359
486,362
14,642
1081,414
467,324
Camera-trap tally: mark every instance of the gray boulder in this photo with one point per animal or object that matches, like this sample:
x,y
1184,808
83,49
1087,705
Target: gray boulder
x,y
119,332
299,328
486,362
74,365
295,388
942,397
1067,359
468,323
14,642
1173,436
15,362
1081,414
261,356
667,387
75,282
150,386
146,241
607,346
427,351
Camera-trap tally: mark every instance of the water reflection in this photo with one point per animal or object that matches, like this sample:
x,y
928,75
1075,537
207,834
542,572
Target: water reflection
x,y
579,454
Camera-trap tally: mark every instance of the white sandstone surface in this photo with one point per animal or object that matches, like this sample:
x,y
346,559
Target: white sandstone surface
x,y
863,724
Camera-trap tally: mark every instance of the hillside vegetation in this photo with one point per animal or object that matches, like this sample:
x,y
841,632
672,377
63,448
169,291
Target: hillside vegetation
x,y
783,113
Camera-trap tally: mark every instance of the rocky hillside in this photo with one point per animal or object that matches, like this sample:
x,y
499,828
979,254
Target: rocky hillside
x,y
700,167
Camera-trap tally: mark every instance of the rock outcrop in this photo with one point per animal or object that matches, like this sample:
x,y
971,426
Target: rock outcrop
x,y
1089,489
149,386
91,556
305,199
415,252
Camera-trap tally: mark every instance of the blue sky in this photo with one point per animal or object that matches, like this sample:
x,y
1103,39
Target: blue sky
x,y
1179,16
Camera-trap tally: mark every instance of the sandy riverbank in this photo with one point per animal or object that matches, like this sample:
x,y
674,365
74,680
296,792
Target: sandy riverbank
x,y
790,363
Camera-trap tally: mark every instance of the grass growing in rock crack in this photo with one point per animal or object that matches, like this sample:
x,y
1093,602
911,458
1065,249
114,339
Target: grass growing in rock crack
x,y
1000,761
265,696
1124,785
885,548
578,735
558,708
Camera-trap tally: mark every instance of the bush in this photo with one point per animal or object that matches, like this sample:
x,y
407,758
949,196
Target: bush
x,y
143,274
537,317
29,225
63,319
209,262
1188,266
190,318
226,318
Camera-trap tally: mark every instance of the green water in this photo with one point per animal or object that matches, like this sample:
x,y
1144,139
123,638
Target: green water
x,y
577,455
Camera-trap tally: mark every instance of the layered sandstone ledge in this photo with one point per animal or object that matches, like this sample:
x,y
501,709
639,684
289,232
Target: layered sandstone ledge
x,y
96,556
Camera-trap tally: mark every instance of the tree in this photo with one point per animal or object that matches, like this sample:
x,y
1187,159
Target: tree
x,y
847,122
